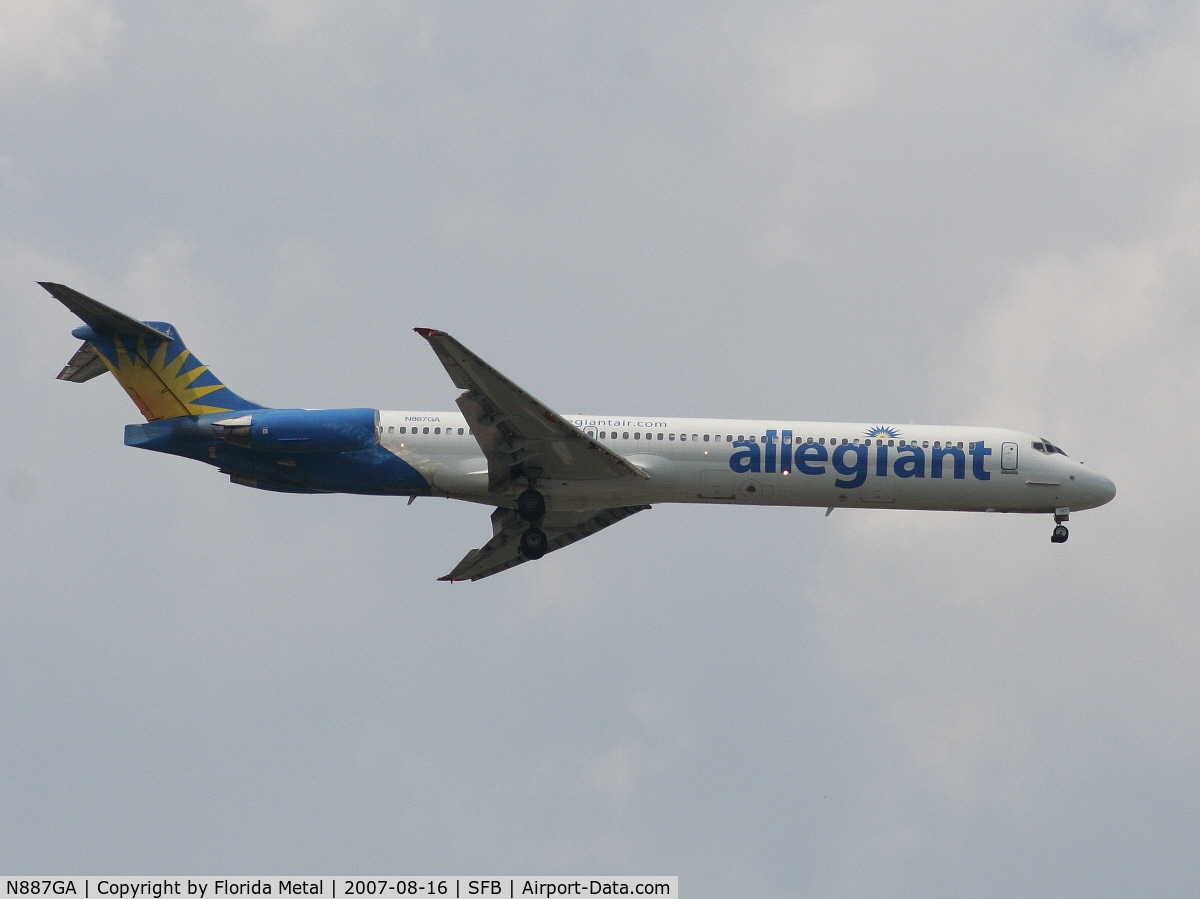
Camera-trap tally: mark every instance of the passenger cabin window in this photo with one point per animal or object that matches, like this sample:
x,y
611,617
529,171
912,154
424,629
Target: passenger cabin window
x,y
425,430
625,436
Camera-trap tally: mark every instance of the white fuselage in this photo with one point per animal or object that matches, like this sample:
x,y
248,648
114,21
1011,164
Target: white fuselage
x,y
827,464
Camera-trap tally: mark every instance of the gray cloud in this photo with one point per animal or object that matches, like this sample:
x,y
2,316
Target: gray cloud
x,y
881,212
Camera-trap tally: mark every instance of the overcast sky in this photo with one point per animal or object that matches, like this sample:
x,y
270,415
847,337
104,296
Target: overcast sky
x,y
883,212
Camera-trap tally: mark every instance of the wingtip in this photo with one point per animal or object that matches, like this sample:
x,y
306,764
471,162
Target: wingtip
x,y
428,332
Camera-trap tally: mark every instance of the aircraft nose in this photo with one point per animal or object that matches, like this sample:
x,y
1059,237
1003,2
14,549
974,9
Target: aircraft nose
x,y
1098,489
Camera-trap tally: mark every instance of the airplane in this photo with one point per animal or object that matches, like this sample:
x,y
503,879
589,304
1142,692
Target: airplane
x,y
555,479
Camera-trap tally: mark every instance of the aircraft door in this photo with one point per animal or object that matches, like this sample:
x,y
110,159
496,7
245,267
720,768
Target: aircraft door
x,y
591,432
1008,457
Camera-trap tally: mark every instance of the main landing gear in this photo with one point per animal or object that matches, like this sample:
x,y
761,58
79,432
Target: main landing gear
x,y
533,543
531,506
1060,533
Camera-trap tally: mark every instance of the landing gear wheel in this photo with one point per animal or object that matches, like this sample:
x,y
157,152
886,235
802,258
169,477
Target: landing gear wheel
x,y
531,505
1060,535
533,543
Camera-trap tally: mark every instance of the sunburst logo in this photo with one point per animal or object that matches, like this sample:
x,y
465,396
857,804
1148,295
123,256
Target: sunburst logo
x,y
161,388
882,431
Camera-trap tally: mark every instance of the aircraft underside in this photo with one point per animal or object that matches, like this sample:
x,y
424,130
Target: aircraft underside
x,y
554,480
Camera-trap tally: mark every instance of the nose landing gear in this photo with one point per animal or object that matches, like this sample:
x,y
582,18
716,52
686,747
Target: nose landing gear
x,y
1060,533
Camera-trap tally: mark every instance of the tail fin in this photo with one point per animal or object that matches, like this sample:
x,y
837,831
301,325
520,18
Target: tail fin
x,y
157,371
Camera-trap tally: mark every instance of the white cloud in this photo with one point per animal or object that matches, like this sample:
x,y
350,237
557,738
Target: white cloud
x,y
325,28
283,21
11,175
53,40
818,62
990,651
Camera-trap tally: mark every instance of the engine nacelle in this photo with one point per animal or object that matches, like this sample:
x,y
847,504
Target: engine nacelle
x,y
302,430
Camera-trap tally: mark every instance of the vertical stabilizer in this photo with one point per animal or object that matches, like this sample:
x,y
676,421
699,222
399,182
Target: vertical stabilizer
x,y
148,359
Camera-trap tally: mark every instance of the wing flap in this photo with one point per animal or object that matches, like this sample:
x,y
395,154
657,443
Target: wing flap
x,y
519,435
503,550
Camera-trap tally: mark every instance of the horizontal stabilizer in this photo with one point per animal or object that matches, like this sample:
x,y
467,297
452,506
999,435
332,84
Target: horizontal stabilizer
x,y
83,366
100,317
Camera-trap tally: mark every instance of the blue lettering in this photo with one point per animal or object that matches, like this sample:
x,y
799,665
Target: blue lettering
x,y
808,451
912,465
858,469
960,461
746,460
779,449
977,453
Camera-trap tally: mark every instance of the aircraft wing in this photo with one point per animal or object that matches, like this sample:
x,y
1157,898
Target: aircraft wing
x,y
519,436
562,529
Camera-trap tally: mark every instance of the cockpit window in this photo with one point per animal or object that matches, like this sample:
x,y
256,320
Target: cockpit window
x,y
1045,446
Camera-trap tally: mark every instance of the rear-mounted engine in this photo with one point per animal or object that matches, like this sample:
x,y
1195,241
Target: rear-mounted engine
x,y
301,430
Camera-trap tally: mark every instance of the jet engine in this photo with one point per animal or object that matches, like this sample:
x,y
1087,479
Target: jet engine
x,y
301,431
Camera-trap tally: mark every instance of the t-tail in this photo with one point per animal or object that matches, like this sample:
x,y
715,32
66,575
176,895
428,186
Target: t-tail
x,y
148,358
